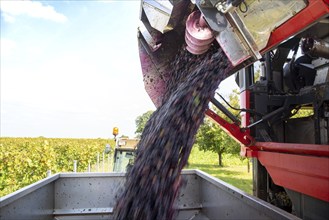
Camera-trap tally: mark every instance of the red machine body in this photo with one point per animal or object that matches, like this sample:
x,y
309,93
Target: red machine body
x,y
290,155
300,167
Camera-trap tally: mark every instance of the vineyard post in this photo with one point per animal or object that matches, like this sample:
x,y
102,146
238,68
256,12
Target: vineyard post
x,y
108,159
48,173
74,166
103,161
98,162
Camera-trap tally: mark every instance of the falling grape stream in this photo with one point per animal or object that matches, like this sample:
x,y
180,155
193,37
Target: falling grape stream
x,y
153,183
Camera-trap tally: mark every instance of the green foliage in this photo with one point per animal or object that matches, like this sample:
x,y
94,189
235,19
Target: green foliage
x,y
257,75
26,160
211,137
141,122
235,171
301,113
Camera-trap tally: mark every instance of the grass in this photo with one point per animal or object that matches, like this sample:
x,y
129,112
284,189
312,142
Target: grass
x,y
234,172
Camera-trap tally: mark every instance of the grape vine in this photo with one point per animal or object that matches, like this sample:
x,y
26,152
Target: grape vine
x,y
27,160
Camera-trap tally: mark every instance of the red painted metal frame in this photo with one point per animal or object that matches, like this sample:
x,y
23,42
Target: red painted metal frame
x,y
245,103
303,149
306,174
232,129
315,10
245,121
303,168
300,167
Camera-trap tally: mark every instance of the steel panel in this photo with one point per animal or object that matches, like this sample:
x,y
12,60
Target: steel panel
x,y
93,196
37,204
223,201
87,191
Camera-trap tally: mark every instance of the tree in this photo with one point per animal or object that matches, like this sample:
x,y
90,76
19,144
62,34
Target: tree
x,y
141,122
211,137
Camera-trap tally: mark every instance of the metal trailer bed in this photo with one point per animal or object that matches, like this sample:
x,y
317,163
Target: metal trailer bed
x,y
93,196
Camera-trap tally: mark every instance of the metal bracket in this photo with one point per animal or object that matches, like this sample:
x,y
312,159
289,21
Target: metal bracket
x,y
240,135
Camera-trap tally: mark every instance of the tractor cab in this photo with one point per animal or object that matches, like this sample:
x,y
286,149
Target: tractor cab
x,y
124,154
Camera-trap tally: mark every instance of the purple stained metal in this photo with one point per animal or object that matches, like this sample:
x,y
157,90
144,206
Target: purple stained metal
x,y
155,61
198,35
154,78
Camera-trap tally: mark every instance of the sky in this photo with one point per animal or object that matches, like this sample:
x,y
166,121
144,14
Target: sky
x,y
71,69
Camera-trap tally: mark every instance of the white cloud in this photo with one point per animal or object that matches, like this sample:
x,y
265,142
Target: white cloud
x,y
8,18
7,47
34,9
